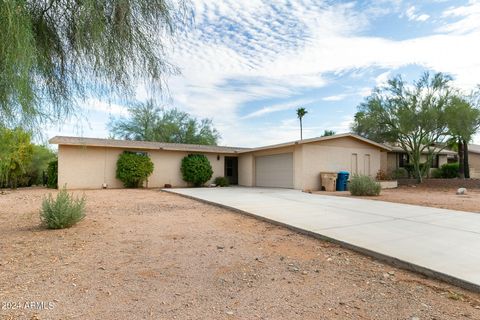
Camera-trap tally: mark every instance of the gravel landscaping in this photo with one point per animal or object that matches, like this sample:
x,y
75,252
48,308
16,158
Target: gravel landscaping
x,y
425,195
146,254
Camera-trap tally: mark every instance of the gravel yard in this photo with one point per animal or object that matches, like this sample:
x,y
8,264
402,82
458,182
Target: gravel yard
x,y
146,254
440,197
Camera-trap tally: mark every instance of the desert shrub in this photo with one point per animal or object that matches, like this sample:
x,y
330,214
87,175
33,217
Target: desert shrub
x,y
382,175
222,181
52,174
196,169
400,173
436,173
449,170
133,168
63,211
364,186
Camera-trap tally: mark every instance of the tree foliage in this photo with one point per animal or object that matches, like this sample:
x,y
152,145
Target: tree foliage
x,y
150,123
133,169
463,120
196,169
53,52
301,112
16,151
327,133
52,174
412,115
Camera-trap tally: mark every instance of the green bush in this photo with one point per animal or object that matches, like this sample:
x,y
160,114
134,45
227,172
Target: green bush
x,y
436,173
449,170
364,186
196,169
400,173
52,174
222,182
62,212
133,168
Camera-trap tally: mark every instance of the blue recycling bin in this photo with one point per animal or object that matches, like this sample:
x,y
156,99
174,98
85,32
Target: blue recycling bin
x,y
342,179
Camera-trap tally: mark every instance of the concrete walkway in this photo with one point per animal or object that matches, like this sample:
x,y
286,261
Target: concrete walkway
x,y
441,243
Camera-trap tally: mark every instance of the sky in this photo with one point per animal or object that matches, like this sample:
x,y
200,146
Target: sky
x,y
248,65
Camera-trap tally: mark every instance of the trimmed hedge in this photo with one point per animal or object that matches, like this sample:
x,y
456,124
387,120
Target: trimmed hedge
x,y
364,186
196,169
133,169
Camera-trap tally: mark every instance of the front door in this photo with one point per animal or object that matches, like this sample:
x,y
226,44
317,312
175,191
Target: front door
x,y
231,169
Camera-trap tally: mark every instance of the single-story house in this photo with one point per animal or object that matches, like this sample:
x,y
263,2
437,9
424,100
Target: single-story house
x,y
474,160
397,158
89,163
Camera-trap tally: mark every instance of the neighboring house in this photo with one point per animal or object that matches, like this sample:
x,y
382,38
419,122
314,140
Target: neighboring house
x,y
397,158
474,160
89,163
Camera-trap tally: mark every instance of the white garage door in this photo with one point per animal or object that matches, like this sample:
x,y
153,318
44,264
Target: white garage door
x,y
274,170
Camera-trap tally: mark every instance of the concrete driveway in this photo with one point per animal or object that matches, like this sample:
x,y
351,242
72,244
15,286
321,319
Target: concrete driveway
x,y
441,243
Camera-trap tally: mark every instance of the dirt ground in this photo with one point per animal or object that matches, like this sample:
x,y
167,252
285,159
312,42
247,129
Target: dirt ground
x,y
424,196
145,254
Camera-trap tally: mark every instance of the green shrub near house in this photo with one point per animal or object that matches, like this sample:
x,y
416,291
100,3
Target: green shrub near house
x,y
63,211
400,173
133,168
196,169
221,182
364,186
449,170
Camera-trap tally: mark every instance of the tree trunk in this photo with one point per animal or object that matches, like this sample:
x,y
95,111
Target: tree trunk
x,y
461,164
301,130
466,165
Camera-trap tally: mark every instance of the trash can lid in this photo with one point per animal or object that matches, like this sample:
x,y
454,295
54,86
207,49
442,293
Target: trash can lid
x,y
344,172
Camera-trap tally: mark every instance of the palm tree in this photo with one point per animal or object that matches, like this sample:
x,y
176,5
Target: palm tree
x,y
301,112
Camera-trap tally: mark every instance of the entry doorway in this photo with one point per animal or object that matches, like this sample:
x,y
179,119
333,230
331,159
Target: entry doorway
x,y
231,169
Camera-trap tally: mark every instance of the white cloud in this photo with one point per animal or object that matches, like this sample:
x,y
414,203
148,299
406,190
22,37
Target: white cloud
x,y
468,18
337,97
278,107
412,15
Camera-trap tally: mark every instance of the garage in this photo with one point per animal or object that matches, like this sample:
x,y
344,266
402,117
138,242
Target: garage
x,y
274,170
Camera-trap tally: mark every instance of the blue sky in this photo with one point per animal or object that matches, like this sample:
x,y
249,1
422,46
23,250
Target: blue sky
x,y
249,64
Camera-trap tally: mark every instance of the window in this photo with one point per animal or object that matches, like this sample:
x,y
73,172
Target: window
x,y
403,159
435,161
139,153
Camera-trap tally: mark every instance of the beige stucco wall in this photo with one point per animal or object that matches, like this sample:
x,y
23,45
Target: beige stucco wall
x,y
312,158
474,163
82,167
336,155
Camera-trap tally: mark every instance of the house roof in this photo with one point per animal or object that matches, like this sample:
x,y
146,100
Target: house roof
x,y
317,139
144,145
443,151
147,145
474,148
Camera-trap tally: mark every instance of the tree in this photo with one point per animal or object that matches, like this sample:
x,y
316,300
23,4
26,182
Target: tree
x,y
301,112
16,152
463,122
327,133
55,52
411,115
150,123
41,157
